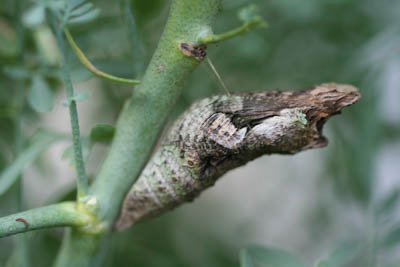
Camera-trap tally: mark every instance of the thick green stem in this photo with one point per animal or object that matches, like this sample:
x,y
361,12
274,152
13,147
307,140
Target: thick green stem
x,y
142,120
63,214
144,115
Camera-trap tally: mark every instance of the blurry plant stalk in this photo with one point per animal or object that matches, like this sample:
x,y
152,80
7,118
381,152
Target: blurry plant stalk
x,y
8,40
47,45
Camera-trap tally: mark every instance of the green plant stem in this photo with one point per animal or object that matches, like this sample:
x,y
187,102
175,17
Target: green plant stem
x,y
141,122
144,116
63,214
21,249
216,38
82,181
85,61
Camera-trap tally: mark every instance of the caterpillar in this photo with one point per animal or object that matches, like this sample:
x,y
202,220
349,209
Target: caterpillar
x,y
223,132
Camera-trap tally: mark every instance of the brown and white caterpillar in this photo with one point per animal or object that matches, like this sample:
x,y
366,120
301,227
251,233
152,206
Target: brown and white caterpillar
x,y
223,132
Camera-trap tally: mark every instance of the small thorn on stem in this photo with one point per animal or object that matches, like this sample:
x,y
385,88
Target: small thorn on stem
x,y
23,221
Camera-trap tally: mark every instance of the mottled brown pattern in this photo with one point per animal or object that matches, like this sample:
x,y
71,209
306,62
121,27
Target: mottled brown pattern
x,y
191,50
223,132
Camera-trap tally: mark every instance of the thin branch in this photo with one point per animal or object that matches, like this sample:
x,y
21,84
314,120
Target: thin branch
x,y
63,214
85,61
216,38
21,249
82,181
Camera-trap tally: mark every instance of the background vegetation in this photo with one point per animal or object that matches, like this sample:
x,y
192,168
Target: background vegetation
x,y
339,203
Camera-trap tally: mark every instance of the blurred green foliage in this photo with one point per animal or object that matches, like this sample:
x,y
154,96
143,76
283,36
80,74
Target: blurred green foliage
x,y
306,43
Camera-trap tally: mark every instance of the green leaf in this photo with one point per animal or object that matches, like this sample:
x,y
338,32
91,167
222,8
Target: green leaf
x,y
76,11
257,256
72,4
34,16
17,72
40,142
102,133
342,255
77,98
81,96
82,10
88,16
249,14
40,96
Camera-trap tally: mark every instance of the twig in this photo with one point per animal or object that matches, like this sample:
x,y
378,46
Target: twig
x,y
21,249
216,38
85,61
82,181
63,214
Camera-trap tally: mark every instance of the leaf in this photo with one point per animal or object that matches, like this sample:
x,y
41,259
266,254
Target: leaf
x,y
257,256
102,133
342,255
81,96
77,98
72,4
17,72
82,10
40,142
249,14
88,16
75,12
34,16
40,96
